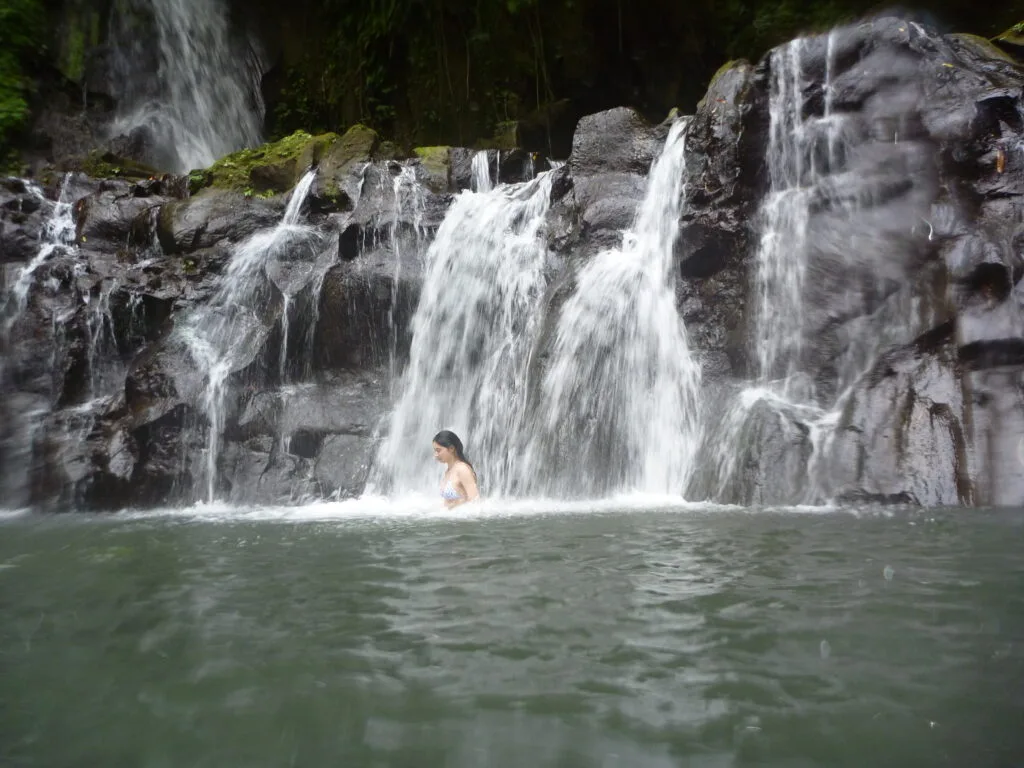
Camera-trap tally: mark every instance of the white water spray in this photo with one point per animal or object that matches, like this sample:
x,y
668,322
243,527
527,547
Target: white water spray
x,y
472,333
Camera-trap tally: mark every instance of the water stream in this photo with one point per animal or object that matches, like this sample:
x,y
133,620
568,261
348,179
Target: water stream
x,y
224,335
829,262
619,402
617,408
472,333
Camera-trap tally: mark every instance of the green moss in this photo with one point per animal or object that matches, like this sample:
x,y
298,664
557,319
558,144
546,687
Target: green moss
x,y
73,59
437,158
359,144
731,64
271,167
1011,40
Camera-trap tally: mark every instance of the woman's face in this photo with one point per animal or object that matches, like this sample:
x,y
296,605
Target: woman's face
x,y
442,454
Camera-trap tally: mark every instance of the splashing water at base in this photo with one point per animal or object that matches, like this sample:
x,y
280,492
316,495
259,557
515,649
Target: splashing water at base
x,y
620,357
471,336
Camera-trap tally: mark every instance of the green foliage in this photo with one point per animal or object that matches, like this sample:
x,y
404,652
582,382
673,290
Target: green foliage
x,y
450,71
22,35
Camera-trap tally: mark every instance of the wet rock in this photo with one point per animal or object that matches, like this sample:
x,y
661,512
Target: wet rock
x,y
996,429
259,474
345,403
343,464
903,430
112,213
724,180
364,315
611,155
22,218
767,464
211,217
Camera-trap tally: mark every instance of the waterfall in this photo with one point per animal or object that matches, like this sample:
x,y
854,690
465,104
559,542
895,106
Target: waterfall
x,y
481,167
409,196
105,370
23,418
619,407
58,235
620,392
224,335
204,101
836,227
472,332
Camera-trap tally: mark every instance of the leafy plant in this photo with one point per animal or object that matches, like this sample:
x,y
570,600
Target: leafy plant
x,y
22,27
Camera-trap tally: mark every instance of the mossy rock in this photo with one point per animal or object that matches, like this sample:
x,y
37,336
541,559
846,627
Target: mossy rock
x,y
436,163
1012,40
277,167
722,71
359,144
106,165
274,167
80,31
980,46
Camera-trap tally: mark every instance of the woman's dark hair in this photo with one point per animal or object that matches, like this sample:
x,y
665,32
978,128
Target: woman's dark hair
x,y
448,439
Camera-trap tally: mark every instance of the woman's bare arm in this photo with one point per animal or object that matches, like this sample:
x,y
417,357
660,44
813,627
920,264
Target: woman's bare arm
x,y
468,479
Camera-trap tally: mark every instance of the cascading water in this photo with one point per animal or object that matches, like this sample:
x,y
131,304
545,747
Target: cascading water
x,y
58,235
205,100
834,238
105,370
224,335
621,375
18,436
619,407
409,199
481,167
472,332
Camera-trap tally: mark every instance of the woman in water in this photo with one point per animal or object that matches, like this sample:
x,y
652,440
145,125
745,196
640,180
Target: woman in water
x,y
458,484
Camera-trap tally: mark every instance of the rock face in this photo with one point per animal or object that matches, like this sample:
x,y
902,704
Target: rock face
x,y
904,379
912,258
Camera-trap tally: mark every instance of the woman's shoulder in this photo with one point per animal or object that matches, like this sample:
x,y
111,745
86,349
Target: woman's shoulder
x,y
463,468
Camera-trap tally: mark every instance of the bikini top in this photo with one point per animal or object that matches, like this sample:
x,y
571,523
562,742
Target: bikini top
x,y
448,492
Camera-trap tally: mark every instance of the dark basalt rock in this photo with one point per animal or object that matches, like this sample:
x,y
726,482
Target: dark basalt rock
x,y
904,434
213,216
725,177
